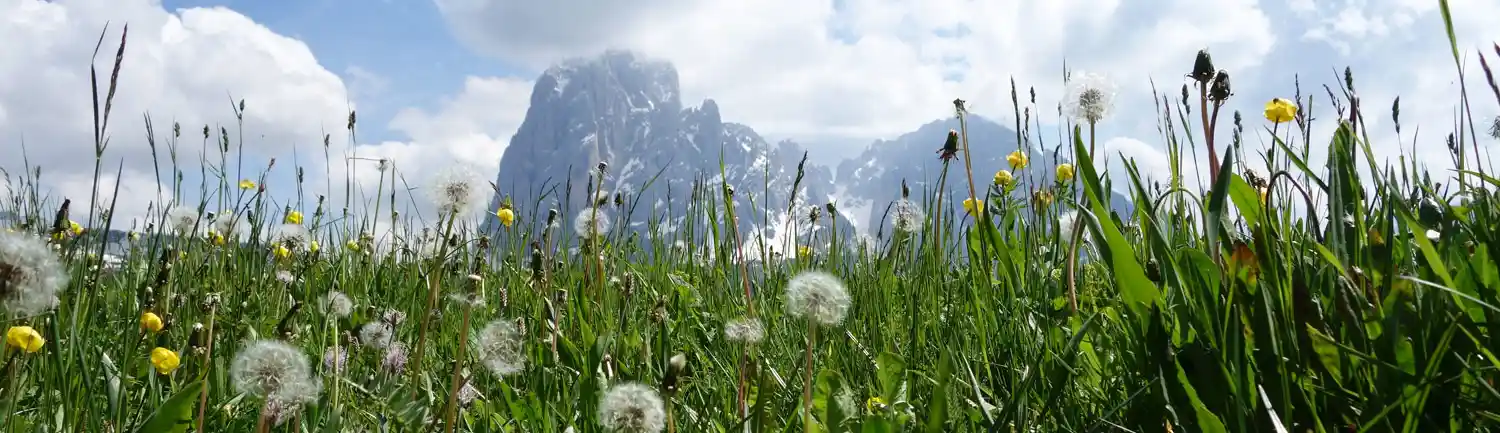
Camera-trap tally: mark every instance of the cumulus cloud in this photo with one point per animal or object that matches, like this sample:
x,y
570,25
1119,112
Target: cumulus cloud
x,y
184,66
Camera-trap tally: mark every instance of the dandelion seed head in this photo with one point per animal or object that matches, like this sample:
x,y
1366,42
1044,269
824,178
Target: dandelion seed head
x,y
338,304
632,408
289,400
393,317
457,189
907,217
394,361
1090,97
376,335
818,296
591,222
746,330
181,219
227,223
31,276
500,347
285,276
291,235
467,394
333,359
269,367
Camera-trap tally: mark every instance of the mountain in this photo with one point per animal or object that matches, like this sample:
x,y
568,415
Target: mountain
x,y
868,183
626,111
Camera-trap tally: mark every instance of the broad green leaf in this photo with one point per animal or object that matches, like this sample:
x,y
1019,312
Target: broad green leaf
x,y
1138,291
175,414
1327,352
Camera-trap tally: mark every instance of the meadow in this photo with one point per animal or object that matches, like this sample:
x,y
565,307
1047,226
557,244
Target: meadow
x,y
1355,296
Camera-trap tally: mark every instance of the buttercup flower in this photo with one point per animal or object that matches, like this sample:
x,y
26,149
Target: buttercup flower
x,y
1004,179
247,184
293,217
24,338
150,322
165,360
1064,172
1017,160
972,206
506,216
1280,110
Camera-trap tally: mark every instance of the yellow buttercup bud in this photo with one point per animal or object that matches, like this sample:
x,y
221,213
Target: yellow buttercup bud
x,y
150,322
24,338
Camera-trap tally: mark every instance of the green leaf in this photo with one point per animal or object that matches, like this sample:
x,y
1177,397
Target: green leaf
x,y
891,371
1327,352
1246,199
1138,291
176,414
937,411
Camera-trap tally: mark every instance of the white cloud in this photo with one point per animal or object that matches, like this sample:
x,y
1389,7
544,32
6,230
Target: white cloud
x,y
182,66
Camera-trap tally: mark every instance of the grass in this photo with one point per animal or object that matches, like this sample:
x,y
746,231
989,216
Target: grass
x,y
1237,309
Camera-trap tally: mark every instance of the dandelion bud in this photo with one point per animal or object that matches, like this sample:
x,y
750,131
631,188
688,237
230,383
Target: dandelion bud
x,y
832,209
675,369
1220,91
602,166
728,190
905,191
1203,68
619,200
551,216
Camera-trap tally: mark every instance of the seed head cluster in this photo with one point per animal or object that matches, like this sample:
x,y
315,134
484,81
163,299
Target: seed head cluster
x,y
31,275
817,296
632,408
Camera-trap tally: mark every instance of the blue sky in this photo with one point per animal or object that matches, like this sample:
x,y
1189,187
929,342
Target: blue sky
x,y
444,82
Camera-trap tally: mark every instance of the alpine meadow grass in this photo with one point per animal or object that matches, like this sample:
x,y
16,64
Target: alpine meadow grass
x,y
1283,297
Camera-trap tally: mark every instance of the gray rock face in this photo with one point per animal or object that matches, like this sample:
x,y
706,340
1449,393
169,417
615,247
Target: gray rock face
x,y
626,111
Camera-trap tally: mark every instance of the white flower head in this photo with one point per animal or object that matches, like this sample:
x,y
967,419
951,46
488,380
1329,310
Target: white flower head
x,y
818,296
591,222
338,304
266,368
906,217
377,335
501,347
289,400
457,189
1090,97
632,408
182,219
31,276
227,223
394,361
291,235
746,330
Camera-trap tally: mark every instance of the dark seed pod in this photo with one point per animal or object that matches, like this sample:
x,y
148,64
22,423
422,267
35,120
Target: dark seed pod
x,y
1203,68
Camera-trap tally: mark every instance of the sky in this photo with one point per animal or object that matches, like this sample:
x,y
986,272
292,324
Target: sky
x,y
443,83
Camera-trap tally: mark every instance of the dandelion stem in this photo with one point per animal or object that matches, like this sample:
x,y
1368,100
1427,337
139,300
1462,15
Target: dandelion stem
x,y
807,403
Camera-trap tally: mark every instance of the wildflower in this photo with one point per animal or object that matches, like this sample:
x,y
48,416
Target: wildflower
x,y
590,223
133,236
804,251
1090,97
1042,198
281,252
165,360
875,404
338,304
1262,191
1064,172
268,367
334,357
293,217
216,238
247,184
312,247
500,347
377,335
908,216
226,223
30,274
182,219
1203,67
289,400
507,216
818,296
1017,160
393,317
631,408
973,206
24,338
467,394
1220,90
291,235
456,190
150,322
950,147
285,276
351,245
1004,179
75,228
394,361
746,330
1280,110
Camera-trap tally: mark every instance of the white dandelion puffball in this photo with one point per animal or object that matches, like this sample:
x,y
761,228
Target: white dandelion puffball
x,y
1090,97
289,400
182,219
268,367
227,223
338,304
291,235
746,330
632,408
31,276
906,216
818,296
501,347
457,189
591,222
376,335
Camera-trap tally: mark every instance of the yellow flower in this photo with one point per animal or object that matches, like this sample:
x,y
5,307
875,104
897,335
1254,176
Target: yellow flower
x,y
1064,172
134,236
351,245
165,360
281,252
1004,178
293,217
972,206
247,184
804,251
24,338
1262,194
216,238
507,216
74,227
1043,198
151,322
1017,160
875,404
1280,110
312,246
